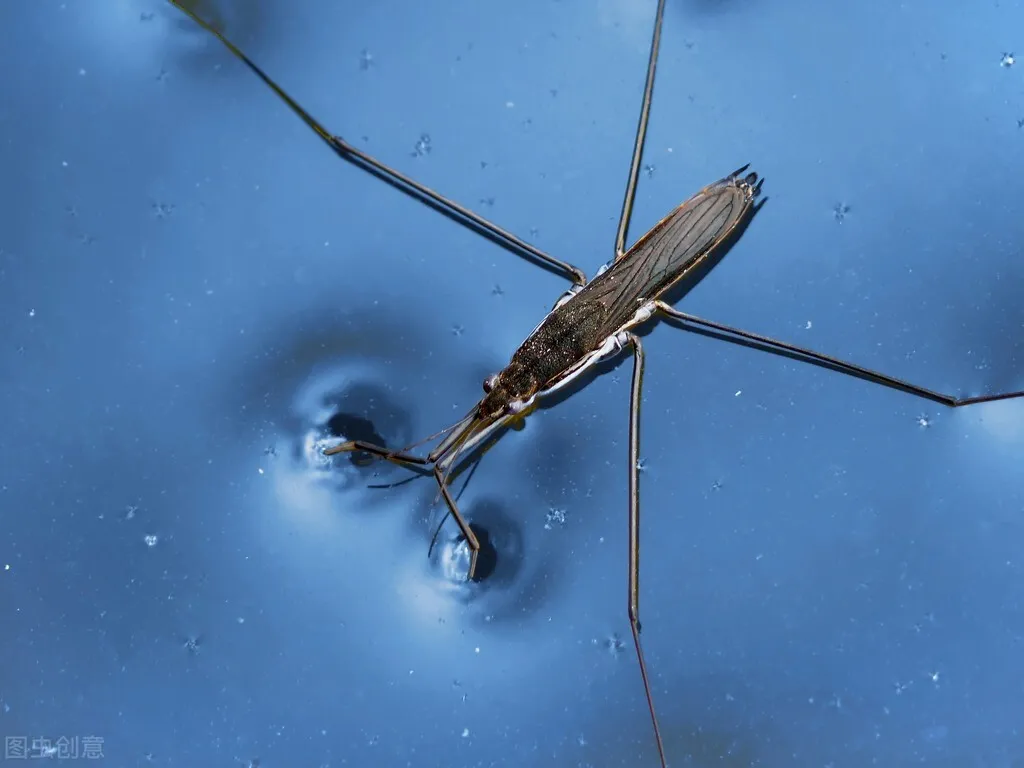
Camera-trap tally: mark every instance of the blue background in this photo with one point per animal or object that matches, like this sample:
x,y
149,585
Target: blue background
x,y
191,284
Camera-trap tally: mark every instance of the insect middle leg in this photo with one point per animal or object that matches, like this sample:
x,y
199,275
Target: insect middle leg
x,y
397,179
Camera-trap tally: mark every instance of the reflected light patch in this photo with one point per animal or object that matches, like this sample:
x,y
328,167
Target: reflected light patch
x,y
631,19
300,484
432,596
1003,420
122,29
305,481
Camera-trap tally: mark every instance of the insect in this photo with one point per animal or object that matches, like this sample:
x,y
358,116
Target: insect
x,y
594,320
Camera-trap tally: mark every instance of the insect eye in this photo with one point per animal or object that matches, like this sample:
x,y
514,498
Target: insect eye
x,y
490,382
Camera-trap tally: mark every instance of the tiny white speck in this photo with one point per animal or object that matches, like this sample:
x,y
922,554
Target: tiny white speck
x,y
465,733
738,393
240,619
64,163
31,313
808,326
510,104
7,566
477,649
260,470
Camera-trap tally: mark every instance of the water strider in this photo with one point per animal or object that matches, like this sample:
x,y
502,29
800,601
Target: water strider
x,y
594,320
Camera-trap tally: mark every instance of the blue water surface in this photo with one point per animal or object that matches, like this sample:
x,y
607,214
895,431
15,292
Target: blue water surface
x,y
197,296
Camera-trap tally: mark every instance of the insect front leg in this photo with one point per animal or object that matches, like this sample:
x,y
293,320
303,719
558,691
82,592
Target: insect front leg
x,y
628,338
396,457
471,540
696,324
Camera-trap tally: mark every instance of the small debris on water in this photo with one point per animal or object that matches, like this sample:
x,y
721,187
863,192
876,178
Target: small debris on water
x,y
422,146
1008,59
554,516
162,210
612,644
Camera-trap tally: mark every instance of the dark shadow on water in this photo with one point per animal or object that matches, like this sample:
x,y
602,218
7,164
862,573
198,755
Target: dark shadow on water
x,y
351,427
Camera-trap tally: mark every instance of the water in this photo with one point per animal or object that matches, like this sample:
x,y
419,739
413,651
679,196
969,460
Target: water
x,y
198,297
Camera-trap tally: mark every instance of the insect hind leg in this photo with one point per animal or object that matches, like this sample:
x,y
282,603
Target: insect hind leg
x,y
635,395
695,324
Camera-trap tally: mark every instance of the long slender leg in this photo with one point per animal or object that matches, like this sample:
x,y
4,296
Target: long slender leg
x,y
634,527
696,324
641,135
400,181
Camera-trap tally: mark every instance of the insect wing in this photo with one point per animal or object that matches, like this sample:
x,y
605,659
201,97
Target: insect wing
x,y
672,247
